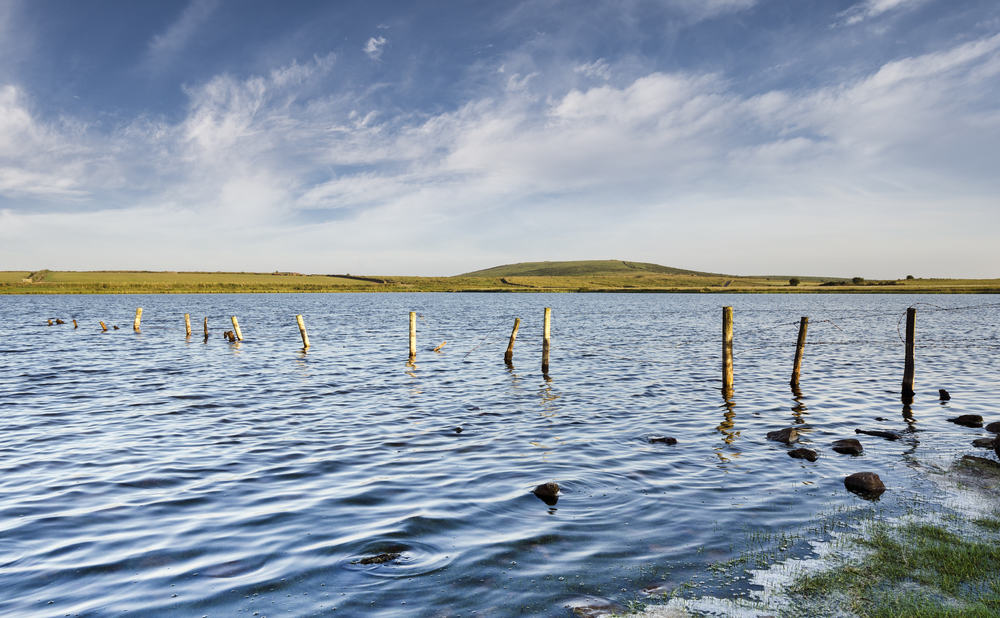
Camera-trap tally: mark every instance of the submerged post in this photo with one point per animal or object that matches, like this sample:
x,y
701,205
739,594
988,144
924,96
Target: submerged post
x,y
908,368
75,324
302,331
800,348
206,329
546,339
236,328
413,336
508,356
727,351
103,327
187,324
138,319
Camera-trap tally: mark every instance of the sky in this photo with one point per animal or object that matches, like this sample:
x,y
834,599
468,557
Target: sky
x,y
810,137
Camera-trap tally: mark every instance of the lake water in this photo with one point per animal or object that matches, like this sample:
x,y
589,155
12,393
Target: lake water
x,y
151,474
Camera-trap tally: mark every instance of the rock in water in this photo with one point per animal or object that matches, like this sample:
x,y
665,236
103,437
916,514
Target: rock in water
x,y
547,493
803,453
888,435
848,446
379,559
967,420
993,427
943,394
984,442
458,430
662,440
996,446
866,484
786,436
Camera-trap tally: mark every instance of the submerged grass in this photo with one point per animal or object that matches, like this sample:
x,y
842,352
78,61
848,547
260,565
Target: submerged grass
x,y
915,569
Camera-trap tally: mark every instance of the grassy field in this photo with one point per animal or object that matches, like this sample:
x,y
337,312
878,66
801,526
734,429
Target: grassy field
x,y
583,276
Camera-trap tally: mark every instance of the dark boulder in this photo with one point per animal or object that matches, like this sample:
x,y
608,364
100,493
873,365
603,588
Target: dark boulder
x,y
993,427
943,394
785,436
803,453
865,484
888,435
967,420
848,446
984,442
996,446
662,440
547,493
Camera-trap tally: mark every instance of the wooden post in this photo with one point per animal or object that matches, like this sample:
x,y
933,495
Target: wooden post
x,y
206,328
508,356
727,351
546,339
302,331
187,324
908,368
236,328
800,348
438,349
138,319
103,327
413,336
75,324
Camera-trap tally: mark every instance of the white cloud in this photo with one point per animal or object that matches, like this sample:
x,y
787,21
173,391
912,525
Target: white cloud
x,y
375,46
176,37
334,185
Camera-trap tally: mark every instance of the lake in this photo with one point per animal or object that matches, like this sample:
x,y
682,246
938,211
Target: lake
x,y
154,474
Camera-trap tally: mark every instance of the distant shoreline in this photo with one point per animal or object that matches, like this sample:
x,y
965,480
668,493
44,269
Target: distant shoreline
x,y
642,282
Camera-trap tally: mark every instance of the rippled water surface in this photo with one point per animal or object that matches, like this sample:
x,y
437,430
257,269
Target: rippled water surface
x,y
156,474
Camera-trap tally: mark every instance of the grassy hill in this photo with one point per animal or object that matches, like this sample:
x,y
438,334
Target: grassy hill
x,y
581,268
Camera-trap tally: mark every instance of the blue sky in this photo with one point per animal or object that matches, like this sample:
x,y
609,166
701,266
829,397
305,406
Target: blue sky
x,y
855,137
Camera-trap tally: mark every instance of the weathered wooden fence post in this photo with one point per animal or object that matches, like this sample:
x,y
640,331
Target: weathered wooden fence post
x,y
546,339
508,356
104,327
187,324
236,329
800,348
908,368
727,352
138,319
413,336
206,329
302,331
74,324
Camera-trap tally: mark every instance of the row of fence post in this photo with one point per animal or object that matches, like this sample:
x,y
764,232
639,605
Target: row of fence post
x,y
727,344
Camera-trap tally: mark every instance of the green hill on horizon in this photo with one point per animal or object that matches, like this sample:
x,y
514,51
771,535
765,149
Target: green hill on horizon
x,y
581,268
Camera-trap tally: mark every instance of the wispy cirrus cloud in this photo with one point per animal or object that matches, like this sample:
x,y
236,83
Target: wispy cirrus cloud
x,y
164,46
868,9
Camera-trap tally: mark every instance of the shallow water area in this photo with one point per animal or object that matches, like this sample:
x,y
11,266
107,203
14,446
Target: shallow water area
x,y
151,473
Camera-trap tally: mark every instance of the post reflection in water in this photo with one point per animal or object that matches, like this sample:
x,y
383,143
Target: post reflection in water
x,y
799,408
548,397
726,427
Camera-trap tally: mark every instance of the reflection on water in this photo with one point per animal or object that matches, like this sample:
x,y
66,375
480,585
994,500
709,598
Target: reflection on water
x,y
143,473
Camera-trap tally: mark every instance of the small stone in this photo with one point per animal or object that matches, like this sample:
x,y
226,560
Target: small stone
x,y
848,446
662,440
458,430
547,493
943,394
984,442
866,484
967,420
993,427
785,436
803,453
888,435
881,418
